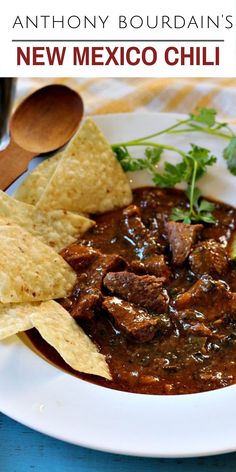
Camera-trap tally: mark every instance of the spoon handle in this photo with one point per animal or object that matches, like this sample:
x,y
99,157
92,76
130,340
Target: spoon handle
x,y
13,163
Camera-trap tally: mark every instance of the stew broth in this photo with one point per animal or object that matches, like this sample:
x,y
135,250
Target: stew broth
x,y
194,349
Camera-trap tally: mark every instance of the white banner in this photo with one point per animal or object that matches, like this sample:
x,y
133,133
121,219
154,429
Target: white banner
x,y
118,39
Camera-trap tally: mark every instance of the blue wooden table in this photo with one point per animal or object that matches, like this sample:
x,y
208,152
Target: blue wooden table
x,y
23,450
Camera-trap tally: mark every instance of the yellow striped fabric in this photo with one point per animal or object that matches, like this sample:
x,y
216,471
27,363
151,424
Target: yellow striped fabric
x,y
114,95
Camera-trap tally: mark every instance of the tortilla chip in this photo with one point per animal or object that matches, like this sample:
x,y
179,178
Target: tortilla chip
x,y
34,184
62,332
15,318
30,270
59,329
88,177
57,228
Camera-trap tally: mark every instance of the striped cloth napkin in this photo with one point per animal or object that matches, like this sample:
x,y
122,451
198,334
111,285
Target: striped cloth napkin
x,y
129,94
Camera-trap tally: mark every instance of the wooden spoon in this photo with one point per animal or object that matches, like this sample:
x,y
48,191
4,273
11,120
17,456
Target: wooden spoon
x,y
42,123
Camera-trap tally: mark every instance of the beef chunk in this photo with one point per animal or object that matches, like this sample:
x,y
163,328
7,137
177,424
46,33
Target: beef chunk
x,y
192,322
209,257
208,296
106,263
79,256
130,319
181,237
155,265
91,267
136,233
85,306
143,290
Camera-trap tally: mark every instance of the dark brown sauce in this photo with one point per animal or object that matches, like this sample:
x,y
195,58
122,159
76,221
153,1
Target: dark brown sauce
x,y
175,363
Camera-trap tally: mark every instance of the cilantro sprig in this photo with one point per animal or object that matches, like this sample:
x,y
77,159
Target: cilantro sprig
x,y
192,167
230,155
200,209
193,163
131,164
189,170
204,121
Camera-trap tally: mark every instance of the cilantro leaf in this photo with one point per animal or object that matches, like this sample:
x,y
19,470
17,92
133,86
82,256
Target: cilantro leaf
x,y
206,206
153,154
178,214
202,157
171,176
132,164
230,155
207,218
205,116
128,163
195,195
201,211
120,152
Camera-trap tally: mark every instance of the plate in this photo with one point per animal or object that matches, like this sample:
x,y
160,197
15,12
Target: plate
x,y
43,397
